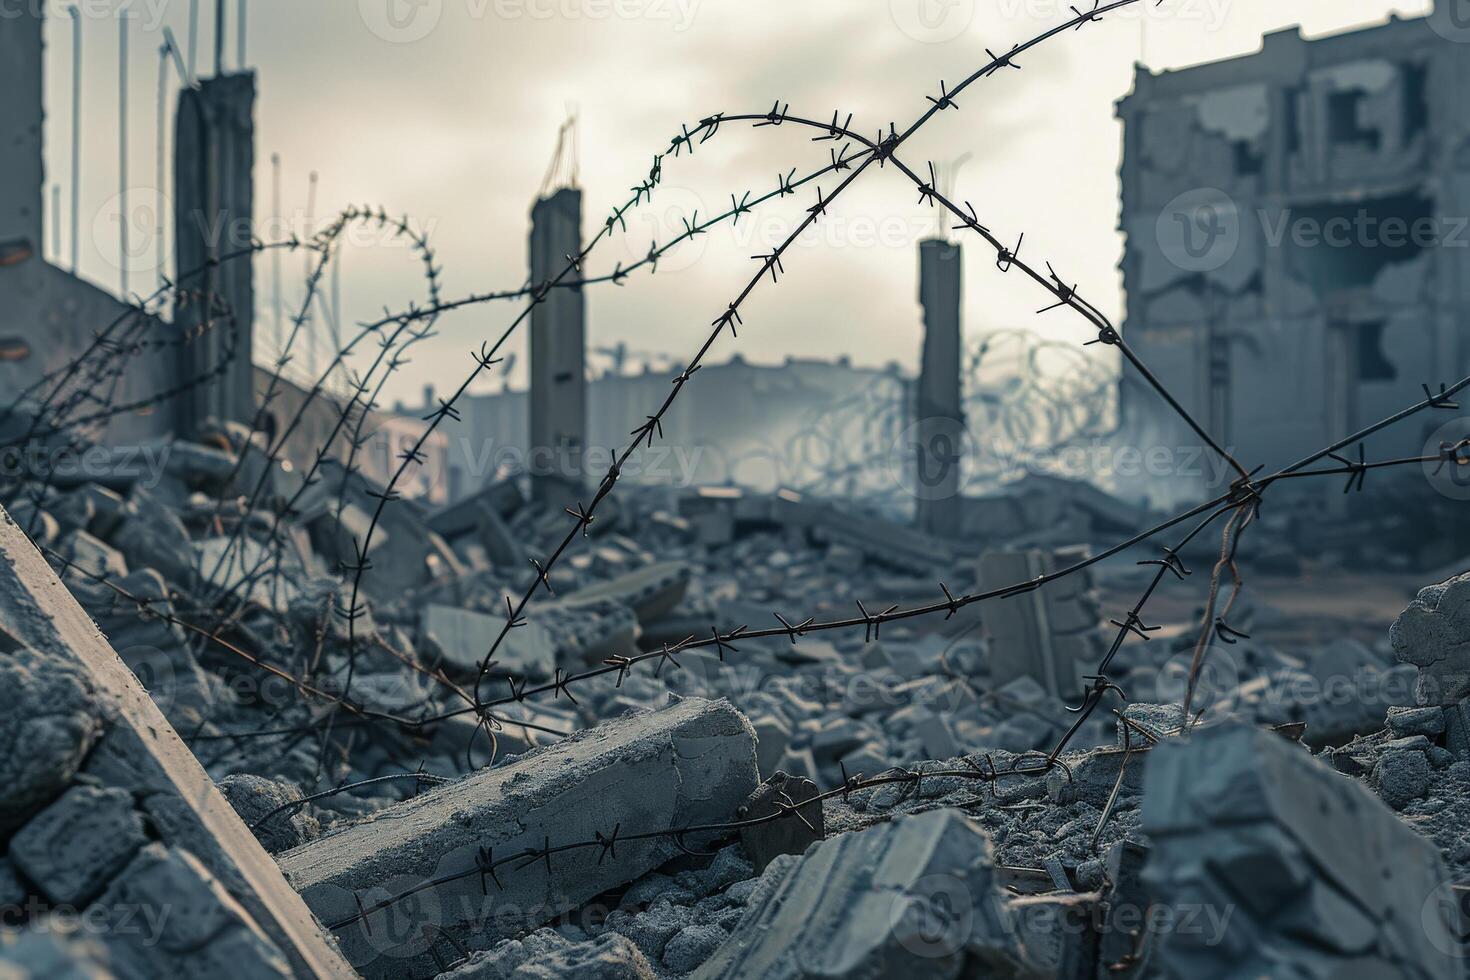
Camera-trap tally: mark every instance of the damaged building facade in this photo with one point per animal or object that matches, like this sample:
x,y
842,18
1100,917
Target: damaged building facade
x,y
1297,239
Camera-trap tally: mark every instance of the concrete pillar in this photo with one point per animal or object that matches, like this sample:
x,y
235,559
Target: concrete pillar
x,y
558,352
939,406
21,162
214,155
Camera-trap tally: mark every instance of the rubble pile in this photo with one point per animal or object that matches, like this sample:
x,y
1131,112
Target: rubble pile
x,y
211,708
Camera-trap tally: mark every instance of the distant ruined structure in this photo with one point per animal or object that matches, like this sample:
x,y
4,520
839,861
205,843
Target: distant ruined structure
x,y
1298,257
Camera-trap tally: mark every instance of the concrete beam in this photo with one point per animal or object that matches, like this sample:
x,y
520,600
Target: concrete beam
x,y
142,754
690,763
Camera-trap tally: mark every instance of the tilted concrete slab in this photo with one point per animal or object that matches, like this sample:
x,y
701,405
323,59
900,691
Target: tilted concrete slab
x,y
150,761
688,764
916,897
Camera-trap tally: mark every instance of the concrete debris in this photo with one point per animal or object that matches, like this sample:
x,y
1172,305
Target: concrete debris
x,y
50,724
690,763
465,637
917,896
546,955
1049,634
138,778
789,835
75,846
1433,634
1322,880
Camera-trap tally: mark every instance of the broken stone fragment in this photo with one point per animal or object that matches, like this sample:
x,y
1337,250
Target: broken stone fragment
x,y
914,897
72,848
49,723
1416,721
690,763
42,953
546,953
465,637
1401,777
790,834
167,916
1433,634
1299,871
652,591
253,797
150,535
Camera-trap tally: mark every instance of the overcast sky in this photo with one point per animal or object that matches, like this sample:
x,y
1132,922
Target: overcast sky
x,y
447,110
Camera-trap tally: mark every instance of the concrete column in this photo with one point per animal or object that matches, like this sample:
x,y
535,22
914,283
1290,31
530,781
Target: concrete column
x,y
938,405
21,162
214,155
558,352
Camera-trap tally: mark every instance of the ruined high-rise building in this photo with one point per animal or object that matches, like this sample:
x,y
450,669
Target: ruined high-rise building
x,y
1298,258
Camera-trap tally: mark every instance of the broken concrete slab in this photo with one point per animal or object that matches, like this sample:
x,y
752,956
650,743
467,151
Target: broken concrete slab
x,y
690,763
149,760
465,637
652,592
917,896
1320,879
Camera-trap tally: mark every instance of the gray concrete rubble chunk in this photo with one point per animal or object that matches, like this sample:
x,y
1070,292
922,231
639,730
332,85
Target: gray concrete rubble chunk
x,y
72,848
546,953
1433,634
692,762
50,954
168,917
652,592
790,834
49,723
465,637
1299,870
915,897
147,759
150,535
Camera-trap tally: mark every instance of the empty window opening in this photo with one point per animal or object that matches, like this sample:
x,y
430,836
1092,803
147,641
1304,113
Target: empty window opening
x,y
1373,364
1344,127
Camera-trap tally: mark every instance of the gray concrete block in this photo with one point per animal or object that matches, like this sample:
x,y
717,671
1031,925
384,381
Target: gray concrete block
x,y
1433,634
168,917
652,591
692,762
1302,871
50,721
914,897
72,848
788,835
773,737
465,636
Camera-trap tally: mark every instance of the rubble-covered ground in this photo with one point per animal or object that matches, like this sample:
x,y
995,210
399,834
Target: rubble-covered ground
x,y
873,801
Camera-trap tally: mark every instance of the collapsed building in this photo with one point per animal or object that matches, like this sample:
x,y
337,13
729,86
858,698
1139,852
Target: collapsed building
x,y
287,721
1296,241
